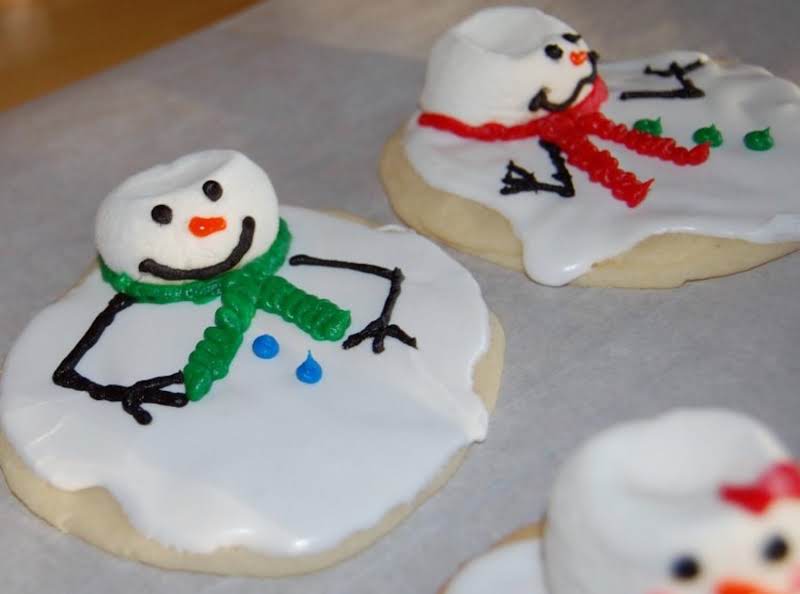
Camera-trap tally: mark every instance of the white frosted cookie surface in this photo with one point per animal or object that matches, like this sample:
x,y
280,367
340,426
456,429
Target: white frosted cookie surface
x,y
509,569
263,461
737,193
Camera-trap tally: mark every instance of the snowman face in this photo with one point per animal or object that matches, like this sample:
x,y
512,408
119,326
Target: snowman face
x,y
192,219
507,65
694,501
563,70
746,554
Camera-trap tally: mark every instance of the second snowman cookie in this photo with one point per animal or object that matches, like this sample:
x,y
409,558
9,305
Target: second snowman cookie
x,y
529,152
238,389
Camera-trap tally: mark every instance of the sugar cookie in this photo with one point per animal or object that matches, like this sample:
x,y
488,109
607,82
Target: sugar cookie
x,y
242,388
529,152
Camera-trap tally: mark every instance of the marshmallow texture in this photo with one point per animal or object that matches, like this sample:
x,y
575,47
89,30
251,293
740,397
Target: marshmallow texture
x,y
489,67
638,510
164,214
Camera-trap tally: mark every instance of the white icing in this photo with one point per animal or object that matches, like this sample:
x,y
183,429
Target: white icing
x,y
737,193
263,461
510,569
636,497
126,234
488,67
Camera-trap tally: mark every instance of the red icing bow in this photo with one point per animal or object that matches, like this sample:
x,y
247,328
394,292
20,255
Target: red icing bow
x,y
780,481
569,130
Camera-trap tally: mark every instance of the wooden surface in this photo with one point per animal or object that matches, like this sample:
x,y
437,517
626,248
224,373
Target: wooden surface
x,y
47,44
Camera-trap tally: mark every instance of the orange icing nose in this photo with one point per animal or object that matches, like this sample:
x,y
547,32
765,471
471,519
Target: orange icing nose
x,y
578,58
202,227
739,587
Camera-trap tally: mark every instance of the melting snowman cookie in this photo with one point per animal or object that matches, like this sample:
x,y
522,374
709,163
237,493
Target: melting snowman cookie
x,y
530,153
259,375
220,239
694,501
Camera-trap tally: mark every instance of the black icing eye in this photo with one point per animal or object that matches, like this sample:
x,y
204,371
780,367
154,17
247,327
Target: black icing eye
x,y
775,549
571,37
553,51
213,190
162,214
685,568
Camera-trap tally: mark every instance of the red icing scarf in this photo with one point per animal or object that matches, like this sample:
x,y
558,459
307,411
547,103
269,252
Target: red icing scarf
x,y
569,130
781,480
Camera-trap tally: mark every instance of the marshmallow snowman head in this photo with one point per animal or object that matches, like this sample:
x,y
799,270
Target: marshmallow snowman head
x,y
192,219
699,501
507,65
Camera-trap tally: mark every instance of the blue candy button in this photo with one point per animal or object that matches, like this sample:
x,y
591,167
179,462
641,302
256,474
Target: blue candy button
x,y
266,347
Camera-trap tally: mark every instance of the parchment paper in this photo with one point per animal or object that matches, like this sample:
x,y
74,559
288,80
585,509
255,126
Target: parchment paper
x,y
311,90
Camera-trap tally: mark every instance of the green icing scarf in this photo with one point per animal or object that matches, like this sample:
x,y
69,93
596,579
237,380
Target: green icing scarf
x,y
241,291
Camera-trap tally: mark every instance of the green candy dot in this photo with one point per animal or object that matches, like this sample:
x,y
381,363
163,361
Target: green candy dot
x,y
652,127
759,140
709,135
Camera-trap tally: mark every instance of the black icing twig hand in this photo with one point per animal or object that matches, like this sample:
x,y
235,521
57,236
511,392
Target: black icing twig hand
x,y
381,327
143,392
518,179
687,89
132,397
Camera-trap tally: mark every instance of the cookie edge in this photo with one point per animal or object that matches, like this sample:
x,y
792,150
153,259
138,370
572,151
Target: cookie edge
x,y
473,228
76,513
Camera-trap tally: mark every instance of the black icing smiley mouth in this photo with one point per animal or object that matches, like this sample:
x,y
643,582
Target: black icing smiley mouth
x,y
540,100
165,272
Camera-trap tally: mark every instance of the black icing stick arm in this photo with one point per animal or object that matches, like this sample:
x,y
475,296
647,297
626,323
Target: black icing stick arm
x,y
687,89
381,327
132,397
518,179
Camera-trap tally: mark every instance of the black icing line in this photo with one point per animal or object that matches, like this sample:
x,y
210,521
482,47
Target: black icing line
x,y
518,179
379,328
688,89
148,391
540,100
162,271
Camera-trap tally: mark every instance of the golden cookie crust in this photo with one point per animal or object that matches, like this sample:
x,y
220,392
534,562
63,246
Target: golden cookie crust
x,y
658,262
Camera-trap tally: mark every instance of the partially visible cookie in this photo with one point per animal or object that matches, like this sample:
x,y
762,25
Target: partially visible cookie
x,y
511,567
530,153
693,501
